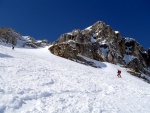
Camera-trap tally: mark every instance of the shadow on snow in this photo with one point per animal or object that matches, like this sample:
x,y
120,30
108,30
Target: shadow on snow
x,y
5,56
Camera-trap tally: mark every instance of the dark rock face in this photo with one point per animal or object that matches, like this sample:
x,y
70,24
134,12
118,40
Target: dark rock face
x,y
9,35
94,42
100,42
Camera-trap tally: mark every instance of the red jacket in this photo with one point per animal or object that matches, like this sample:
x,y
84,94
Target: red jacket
x,y
119,72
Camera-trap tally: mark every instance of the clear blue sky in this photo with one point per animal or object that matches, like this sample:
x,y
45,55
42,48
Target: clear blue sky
x,y
48,19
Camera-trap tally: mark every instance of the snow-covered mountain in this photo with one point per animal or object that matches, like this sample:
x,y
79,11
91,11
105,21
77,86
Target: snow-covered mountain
x,y
10,37
36,81
100,42
30,42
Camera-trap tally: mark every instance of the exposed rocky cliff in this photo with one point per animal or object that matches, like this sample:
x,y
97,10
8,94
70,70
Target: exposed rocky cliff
x,y
10,36
100,42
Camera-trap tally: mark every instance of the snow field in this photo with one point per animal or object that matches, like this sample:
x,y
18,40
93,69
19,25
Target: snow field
x,y
35,81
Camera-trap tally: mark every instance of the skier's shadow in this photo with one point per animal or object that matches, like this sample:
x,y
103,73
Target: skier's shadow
x,y
5,56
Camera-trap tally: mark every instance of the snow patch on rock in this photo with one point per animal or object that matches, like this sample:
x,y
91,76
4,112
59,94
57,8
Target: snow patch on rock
x,y
128,58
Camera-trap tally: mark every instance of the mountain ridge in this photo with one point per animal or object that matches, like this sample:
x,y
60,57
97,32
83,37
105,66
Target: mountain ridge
x,y
37,81
13,38
100,42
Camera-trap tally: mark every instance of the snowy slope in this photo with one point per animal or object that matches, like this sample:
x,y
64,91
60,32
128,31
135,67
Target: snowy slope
x,y
36,81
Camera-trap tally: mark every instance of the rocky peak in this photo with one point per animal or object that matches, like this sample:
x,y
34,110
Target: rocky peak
x,y
96,33
100,42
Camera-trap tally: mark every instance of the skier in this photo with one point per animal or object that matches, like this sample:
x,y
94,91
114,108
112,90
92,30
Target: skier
x,y
12,47
119,73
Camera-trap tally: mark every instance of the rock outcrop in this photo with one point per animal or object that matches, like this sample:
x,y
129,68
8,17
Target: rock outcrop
x,y
10,36
100,42
31,42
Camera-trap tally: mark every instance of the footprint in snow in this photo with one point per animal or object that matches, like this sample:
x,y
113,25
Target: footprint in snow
x,y
45,94
20,92
48,83
1,91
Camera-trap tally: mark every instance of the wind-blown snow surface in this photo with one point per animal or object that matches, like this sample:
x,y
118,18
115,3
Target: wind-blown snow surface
x,y
35,81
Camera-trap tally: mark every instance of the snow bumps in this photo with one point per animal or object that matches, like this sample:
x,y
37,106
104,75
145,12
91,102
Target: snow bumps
x,y
35,81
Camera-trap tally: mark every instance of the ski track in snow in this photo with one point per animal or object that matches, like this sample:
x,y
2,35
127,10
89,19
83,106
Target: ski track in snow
x,y
35,81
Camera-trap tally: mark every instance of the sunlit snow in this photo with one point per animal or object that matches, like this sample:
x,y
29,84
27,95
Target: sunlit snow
x,y
36,81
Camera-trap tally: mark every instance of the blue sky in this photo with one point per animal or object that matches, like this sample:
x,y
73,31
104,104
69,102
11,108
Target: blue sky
x,y
48,19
